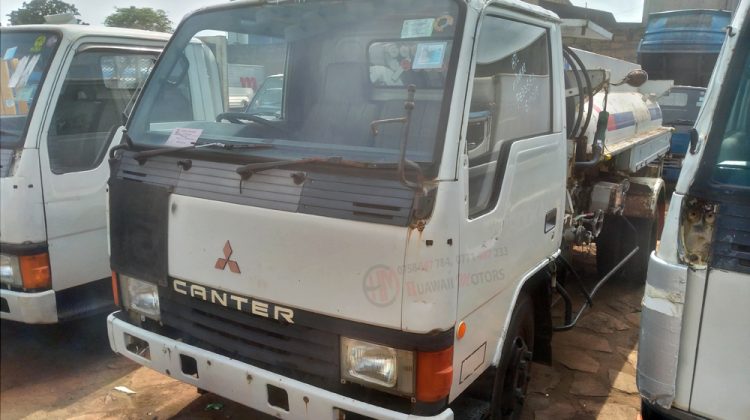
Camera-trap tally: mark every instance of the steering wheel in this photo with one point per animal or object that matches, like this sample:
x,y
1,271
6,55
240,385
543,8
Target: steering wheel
x,y
237,117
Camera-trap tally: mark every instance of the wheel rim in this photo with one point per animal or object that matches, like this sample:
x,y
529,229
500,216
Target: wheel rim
x,y
517,379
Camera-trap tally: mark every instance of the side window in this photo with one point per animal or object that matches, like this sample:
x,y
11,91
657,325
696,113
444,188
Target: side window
x,y
96,90
511,100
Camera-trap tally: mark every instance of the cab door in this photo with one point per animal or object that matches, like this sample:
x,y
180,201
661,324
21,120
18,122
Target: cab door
x,y
513,166
98,82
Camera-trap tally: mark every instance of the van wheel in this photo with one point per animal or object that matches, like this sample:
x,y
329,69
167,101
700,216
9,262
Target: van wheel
x,y
513,375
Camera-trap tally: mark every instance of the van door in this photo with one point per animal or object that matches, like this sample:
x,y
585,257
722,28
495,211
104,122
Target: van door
x,y
99,82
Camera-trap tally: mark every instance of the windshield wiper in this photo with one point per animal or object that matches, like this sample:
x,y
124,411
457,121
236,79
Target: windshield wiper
x,y
10,132
403,161
246,171
144,155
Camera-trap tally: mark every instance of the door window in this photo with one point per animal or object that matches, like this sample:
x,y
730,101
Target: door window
x,y
95,93
511,100
732,165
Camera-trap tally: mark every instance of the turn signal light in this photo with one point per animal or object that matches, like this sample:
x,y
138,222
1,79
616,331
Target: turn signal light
x,y
35,271
434,375
115,289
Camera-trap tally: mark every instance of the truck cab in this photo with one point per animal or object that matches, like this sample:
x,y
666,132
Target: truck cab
x,y
64,89
384,241
695,319
680,107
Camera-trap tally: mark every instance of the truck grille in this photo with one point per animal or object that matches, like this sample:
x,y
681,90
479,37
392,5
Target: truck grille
x,y
292,350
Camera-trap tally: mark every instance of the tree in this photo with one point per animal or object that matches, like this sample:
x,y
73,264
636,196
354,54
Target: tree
x,y
35,11
139,18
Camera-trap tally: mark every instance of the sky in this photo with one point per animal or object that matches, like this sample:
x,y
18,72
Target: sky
x,y
624,11
94,11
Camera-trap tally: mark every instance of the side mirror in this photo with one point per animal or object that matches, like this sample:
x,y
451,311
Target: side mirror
x,y
694,138
636,78
478,133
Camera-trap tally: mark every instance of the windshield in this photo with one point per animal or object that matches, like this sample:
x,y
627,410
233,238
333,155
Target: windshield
x,y
316,79
732,165
681,106
25,61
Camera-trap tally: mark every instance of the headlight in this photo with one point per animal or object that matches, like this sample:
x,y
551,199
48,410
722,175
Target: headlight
x,y
383,367
29,272
10,271
141,297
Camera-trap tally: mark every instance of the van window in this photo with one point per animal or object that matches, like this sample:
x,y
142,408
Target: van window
x,y
97,89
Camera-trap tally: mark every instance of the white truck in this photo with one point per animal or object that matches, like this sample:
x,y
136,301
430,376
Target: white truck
x,y
64,90
695,324
386,244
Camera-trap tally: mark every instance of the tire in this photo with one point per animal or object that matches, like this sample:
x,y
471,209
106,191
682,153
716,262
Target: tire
x,y
609,245
513,374
617,239
635,270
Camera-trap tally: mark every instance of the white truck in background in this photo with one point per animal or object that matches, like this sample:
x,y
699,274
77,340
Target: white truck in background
x,y
695,324
388,242
64,90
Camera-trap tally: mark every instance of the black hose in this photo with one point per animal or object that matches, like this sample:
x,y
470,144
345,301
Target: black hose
x,y
579,115
589,87
598,146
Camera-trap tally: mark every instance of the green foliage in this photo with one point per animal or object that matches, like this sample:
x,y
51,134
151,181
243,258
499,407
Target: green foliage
x,y
140,18
35,10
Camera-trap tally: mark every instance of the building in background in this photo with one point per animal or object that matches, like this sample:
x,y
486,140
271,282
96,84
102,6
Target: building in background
x,y
625,35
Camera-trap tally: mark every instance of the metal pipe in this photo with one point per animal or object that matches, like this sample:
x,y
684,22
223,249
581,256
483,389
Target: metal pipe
x,y
596,288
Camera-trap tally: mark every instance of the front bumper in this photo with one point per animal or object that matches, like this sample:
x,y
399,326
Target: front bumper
x,y
240,382
29,308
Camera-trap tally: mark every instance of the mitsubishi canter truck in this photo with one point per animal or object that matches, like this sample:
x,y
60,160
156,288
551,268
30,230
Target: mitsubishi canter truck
x,y
695,324
64,90
386,242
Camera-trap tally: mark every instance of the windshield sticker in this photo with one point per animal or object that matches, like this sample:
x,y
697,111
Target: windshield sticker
x,y
25,94
183,137
429,55
38,44
417,28
10,53
51,41
443,22
23,70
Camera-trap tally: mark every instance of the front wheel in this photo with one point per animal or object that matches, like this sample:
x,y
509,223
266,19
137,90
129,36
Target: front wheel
x,y
513,375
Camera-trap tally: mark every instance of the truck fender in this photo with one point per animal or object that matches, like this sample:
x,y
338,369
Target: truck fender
x,y
535,282
644,198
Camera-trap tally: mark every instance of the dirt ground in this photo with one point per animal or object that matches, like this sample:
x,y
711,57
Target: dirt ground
x,y
69,372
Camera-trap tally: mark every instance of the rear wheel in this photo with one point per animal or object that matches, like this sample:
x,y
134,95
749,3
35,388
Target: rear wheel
x,y
618,239
513,375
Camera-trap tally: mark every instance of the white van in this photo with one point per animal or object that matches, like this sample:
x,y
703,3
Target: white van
x,y
695,326
64,90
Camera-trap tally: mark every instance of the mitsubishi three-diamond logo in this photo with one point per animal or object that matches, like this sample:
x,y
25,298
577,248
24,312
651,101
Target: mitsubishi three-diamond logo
x,y
222,263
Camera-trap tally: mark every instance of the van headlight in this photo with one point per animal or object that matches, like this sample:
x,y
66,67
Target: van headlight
x,y
378,366
141,297
10,270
